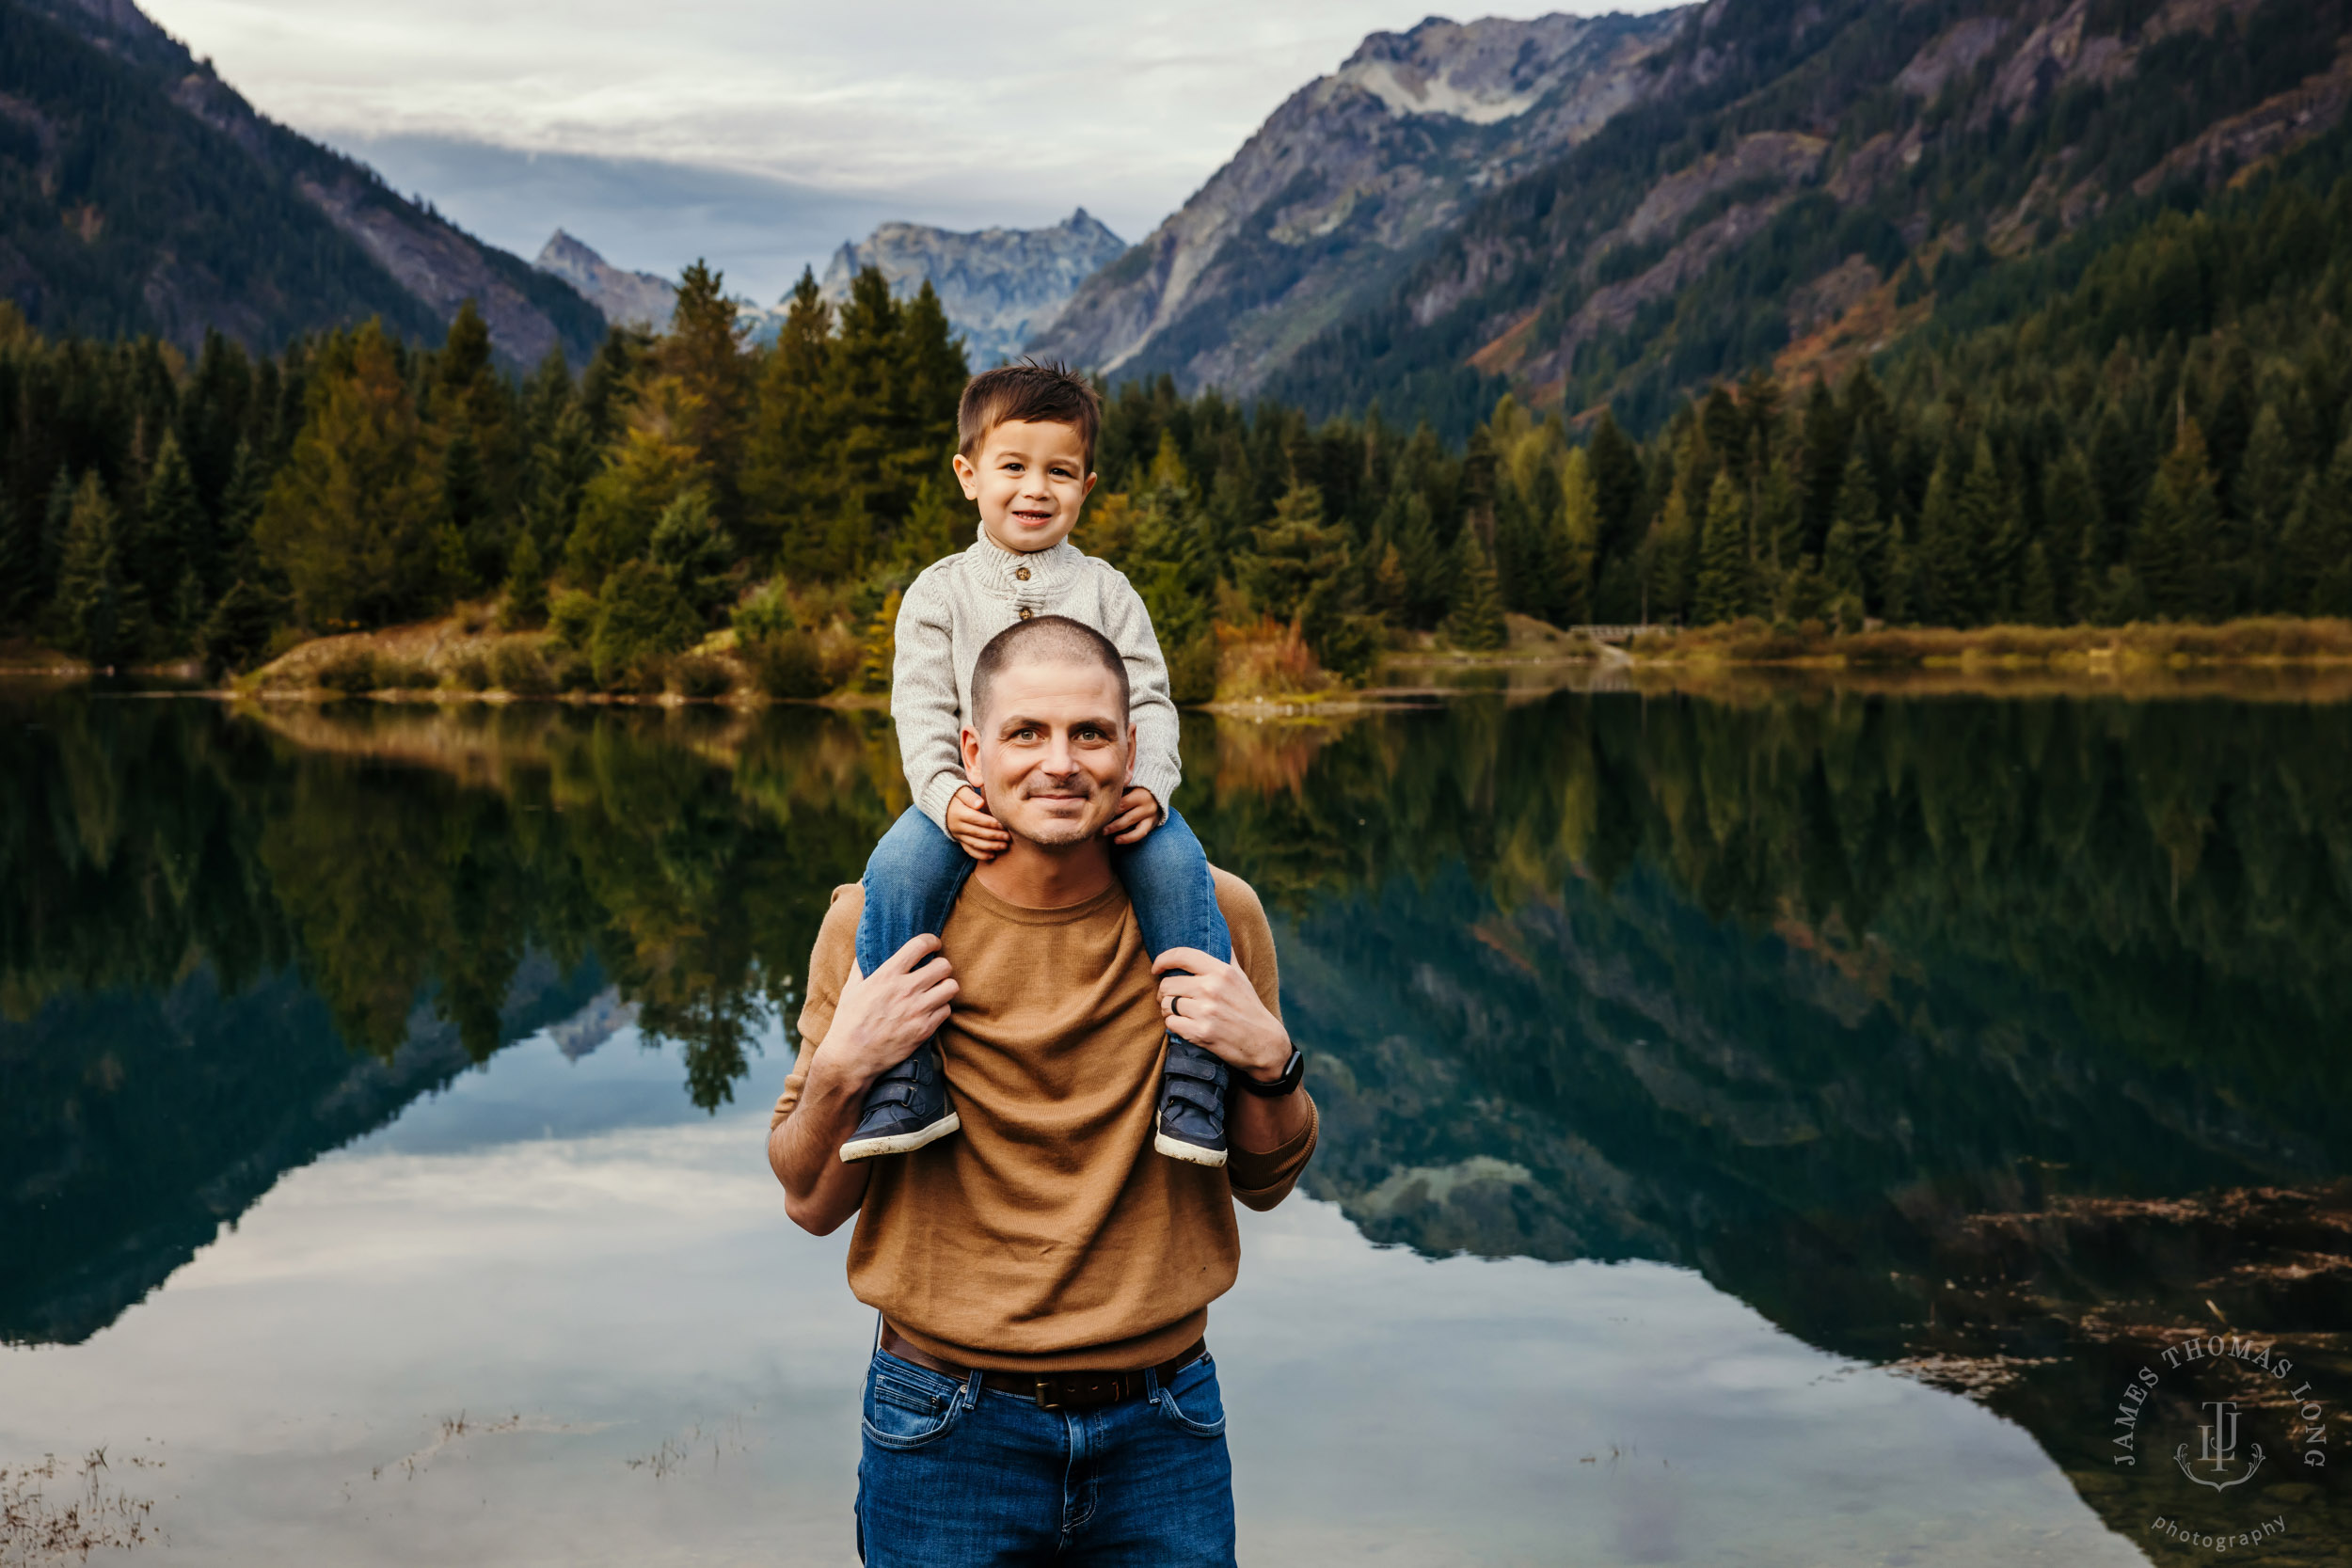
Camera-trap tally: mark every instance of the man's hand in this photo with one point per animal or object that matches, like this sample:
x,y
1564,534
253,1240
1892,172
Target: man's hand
x,y
970,824
1139,814
883,1016
1216,1008
878,1023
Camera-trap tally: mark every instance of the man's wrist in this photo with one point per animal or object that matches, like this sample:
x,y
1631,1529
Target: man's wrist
x,y
1269,1068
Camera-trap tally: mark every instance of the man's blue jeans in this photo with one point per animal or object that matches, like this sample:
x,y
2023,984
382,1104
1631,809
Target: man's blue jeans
x,y
915,871
954,1474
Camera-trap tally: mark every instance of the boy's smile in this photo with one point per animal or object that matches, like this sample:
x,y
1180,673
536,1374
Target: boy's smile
x,y
1030,480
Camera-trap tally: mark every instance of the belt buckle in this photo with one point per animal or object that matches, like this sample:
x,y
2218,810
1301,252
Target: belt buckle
x,y
1045,1400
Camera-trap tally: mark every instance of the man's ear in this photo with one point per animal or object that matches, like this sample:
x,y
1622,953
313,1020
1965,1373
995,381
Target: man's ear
x,y
971,747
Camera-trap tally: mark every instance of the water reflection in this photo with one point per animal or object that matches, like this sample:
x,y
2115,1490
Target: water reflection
x,y
1997,1039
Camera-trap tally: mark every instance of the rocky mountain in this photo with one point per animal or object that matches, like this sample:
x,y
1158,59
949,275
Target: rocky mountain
x,y
1317,214
624,298
139,193
1801,186
1000,287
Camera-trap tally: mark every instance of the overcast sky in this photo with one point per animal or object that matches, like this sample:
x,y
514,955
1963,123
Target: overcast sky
x,y
765,133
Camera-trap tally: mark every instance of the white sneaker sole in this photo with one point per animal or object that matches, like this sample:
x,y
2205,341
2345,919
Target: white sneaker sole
x,y
901,1142
1192,1154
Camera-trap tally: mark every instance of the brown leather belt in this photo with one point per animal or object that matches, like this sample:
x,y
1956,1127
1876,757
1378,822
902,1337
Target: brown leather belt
x,y
1052,1390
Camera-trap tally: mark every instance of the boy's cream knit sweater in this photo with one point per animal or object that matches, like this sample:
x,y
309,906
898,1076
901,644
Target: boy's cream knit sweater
x,y
949,613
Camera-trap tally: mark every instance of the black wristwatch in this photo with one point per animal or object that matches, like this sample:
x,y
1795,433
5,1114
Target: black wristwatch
x,y
1293,1072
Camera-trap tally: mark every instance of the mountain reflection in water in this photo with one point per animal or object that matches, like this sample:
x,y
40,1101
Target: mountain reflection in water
x,y
2003,1041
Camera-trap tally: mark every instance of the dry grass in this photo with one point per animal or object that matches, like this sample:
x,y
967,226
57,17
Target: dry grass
x,y
1268,661
42,1521
2142,646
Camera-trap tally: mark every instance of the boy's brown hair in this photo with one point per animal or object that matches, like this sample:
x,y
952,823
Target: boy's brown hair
x,y
1049,393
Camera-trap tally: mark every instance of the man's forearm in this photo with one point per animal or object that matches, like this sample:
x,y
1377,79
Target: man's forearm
x,y
820,1189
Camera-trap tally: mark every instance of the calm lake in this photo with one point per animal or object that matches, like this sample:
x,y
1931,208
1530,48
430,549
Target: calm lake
x,y
1774,1128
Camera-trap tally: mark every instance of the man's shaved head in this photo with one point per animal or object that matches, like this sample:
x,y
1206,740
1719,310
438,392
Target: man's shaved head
x,y
1056,639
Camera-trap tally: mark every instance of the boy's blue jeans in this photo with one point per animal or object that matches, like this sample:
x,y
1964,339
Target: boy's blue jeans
x,y
954,1474
915,871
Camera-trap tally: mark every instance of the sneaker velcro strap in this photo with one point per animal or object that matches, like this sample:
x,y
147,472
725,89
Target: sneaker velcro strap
x,y
1186,1064
1190,1093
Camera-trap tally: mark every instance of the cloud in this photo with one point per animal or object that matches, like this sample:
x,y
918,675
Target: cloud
x,y
960,112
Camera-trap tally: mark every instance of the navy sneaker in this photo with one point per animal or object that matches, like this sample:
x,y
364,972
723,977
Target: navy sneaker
x,y
906,1108
1192,1105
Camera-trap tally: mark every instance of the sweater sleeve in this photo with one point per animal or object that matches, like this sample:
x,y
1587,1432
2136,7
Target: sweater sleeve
x,y
1260,1180
1151,707
830,962
924,701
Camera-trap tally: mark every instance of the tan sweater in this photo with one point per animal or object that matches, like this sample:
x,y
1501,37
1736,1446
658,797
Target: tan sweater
x,y
1048,1233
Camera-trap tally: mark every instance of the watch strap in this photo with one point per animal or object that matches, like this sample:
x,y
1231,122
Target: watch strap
x,y
1293,1072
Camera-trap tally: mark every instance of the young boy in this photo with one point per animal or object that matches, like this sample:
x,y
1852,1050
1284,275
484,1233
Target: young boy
x,y
1027,457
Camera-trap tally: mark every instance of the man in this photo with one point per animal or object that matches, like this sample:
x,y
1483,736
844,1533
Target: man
x,y
1041,1391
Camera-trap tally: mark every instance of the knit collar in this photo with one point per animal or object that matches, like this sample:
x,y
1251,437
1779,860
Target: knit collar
x,y
1047,570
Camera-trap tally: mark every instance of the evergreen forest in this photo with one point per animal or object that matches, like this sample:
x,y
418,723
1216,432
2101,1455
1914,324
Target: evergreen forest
x,y
2154,429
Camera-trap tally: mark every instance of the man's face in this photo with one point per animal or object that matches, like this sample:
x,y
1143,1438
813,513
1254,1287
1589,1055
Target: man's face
x,y
1053,758
1029,479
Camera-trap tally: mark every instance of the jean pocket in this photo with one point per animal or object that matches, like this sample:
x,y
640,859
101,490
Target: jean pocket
x,y
1191,1400
908,1406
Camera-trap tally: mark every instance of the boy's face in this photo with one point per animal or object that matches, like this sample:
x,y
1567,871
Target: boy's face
x,y
1030,480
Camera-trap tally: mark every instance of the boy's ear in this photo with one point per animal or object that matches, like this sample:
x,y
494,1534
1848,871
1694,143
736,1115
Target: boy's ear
x,y
969,477
1089,489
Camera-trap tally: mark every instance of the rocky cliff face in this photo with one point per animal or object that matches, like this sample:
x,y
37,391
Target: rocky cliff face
x,y
625,298
1000,287
1318,211
197,212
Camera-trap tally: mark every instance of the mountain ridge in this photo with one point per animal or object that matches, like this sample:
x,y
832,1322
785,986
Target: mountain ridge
x,y
999,287
1937,142
1342,183
209,215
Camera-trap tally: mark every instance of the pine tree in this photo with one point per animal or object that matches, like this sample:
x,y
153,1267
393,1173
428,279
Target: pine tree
x,y
465,505
2172,550
2071,522
523,607
57,515
1475,622
2264,499
1673,554
2318,550
787,480
1578,531
1829,459
1988,540
240,501
1857,509
453,565
1617,484
2037,597
178,535
19,554
1898,585
351,521
1842,566
1942,566
692,544
704,351
90,587
1723,588
1428,571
